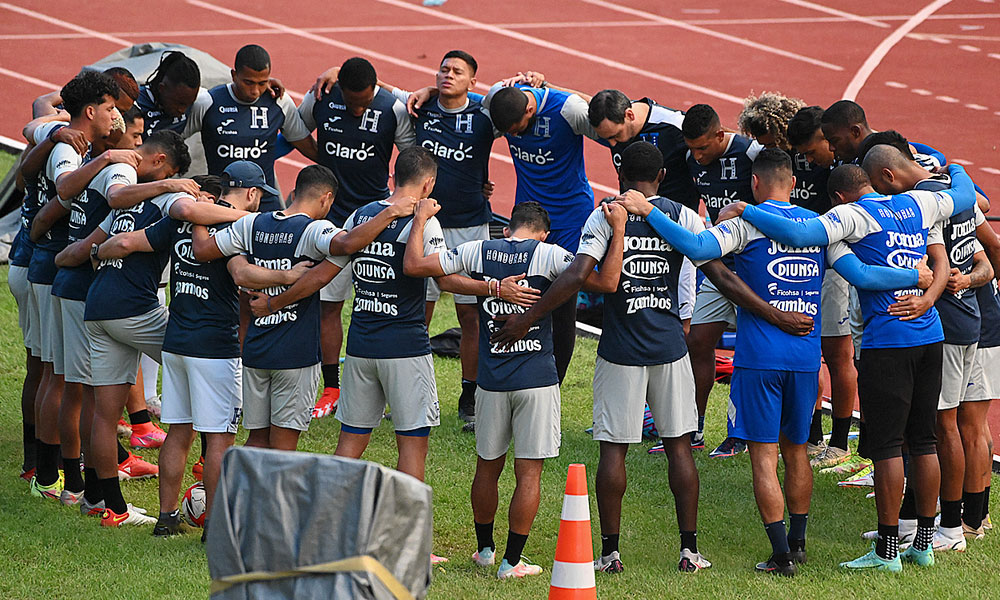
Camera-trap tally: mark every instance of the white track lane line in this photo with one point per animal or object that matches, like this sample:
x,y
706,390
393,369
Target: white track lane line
x,y
29,79
54,21
880,51
833,11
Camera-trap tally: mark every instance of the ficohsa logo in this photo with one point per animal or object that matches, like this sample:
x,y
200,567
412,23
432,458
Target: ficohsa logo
x,y
793,269
645,266
373,270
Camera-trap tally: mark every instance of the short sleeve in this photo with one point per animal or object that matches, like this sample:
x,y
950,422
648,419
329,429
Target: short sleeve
x,y
847,222
935,235
43,131
401,95
576,112
105,225
405,136
466,258
196,113
754,150
235,239
317,237
688,219
433,237
734,235
980,217
934,206
294,129
119,174
165,201
349,222
596,236
554,260
63,159
305,111
836,251
158,234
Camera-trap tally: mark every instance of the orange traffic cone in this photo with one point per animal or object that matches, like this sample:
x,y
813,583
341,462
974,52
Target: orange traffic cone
x,y
573,570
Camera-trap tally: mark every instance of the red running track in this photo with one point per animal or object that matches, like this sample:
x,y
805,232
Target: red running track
x,y
937,84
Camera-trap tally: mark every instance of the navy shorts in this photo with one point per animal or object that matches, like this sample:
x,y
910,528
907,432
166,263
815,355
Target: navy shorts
x,y
763,404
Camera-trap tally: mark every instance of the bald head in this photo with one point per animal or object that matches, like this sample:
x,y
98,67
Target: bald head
x,y
890,171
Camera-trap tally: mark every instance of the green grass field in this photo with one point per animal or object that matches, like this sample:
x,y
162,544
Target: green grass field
x,y
50,551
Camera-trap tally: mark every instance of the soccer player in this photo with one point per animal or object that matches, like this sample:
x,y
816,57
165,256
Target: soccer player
x,y
642,357
241,120
899,373
775,379
845,127
357,122
965,262
460,135
518,387
719,162
169,93
777,121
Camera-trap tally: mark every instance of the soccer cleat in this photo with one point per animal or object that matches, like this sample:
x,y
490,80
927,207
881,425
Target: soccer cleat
x,y
169,525
831,456
923,558
327,403
692,561
124,429
949,539
131,516
778,565
814,450
91,510
198,468
521,569
848,468
656,448
152,437
697,440
611,563
973,533
987,523
437,560
485,557
873,562
155,406
47,491
729,448
27,475
797,556
464,414
134,467
70,498
863,478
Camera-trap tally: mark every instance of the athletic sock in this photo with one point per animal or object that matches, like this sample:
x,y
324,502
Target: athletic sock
x,y
204,444
331,375
173,516
689,540
28,441
467,401
138,418
986,502
112,492
484,535
123,454
908,510
951,513
47,466
91,488
925,533
73,477
701,423
816,428
609,544
887,545
797,531
779,539
972,509
515,545
469,388
841,429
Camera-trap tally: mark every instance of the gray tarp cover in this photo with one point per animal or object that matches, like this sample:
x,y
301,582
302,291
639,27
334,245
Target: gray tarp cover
x,y
277,510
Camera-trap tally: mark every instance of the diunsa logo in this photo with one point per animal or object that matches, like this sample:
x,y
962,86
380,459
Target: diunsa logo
x,y
793,269
185,252
373,270
903,259
645,266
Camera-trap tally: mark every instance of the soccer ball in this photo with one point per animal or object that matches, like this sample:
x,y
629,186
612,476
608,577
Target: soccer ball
x,y
193,505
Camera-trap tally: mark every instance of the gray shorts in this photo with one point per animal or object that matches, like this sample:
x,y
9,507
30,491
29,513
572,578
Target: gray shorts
x,y
206,392
76,344
711,306
27,309
339,288
856,320
686,284
406,384
453,238
987,387
279,397
117,344
530,416
622,391
958,370
835,305
46,322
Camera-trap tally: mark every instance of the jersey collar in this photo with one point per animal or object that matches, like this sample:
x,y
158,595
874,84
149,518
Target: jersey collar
x,y
778,203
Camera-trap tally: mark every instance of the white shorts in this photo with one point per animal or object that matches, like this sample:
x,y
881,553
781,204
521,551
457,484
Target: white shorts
x,y
42,294
835,305
686,284
117,344
279,397
339,288
453,238
406,384
27,309
988,386
76,344
621,393
711,306
531,417
959,370
206,392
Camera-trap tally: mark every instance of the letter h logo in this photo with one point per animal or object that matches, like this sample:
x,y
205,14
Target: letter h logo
x,y
728,168
258,117
369,121
463,123
542,127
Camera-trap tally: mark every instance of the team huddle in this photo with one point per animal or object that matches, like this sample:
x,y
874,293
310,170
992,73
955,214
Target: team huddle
x,y
828,241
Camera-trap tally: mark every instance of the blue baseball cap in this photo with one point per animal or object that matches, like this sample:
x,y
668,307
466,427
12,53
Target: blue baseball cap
x,y
246,174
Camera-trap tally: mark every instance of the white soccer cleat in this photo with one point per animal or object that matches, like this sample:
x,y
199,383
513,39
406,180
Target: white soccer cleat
x,y
949,539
